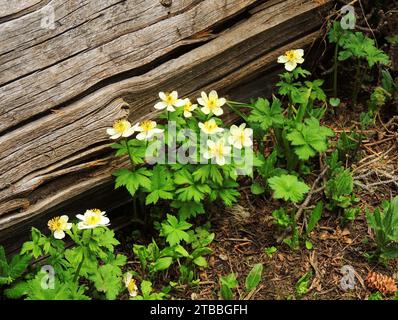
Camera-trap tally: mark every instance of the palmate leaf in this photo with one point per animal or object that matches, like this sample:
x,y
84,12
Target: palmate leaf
x,y
108,279
265,114
188,209
309,138
288,188
192,190
137,150
227,192
206,172
132,180
174,230
12,270
161,185
360,46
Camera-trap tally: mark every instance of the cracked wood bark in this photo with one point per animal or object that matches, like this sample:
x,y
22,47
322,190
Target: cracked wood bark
x,y
104,60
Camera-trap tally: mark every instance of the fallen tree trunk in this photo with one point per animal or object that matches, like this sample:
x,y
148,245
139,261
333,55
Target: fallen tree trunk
x,y
63,82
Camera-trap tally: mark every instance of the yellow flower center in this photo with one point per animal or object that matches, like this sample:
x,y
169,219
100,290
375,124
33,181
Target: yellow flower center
x,y
131,287
242,137
169,99
96,211
188,106
212,104
147,125
210,126
218,150
120,126
291,55
55,224
93,220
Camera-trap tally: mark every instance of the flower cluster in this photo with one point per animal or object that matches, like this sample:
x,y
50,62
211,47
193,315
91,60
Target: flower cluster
x,y
91,219
210,105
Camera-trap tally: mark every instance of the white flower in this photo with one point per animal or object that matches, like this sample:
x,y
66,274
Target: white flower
x,y
217,150
240,136
147,129
291,58
58,225
92,218
212,103
169,101
188,108
120,128
210,127
130,284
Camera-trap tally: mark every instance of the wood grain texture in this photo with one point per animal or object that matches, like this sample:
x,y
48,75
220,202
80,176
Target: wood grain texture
x,y
107,60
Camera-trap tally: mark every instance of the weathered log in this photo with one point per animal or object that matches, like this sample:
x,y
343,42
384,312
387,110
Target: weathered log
x,y
103,60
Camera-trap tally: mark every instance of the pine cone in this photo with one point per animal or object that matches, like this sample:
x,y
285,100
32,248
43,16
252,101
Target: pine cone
x,y
384,284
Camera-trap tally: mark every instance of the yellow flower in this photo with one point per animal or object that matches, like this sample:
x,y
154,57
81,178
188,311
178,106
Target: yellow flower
x,y
130,284
210,127
291,58
188,108
240,136
96,211
169,101
120,128
92,219
217,150
58,225
147,129
211,103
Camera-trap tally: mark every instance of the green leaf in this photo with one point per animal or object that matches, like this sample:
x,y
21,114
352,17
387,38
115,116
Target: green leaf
x,y
200,261
162,264
309,138
281,217
288,188
302,284
206,172
267,115
227,283
174,230
132,180
254,277
270,251
108,279
188,209
315,216
161,185
181,251
257,188
308,244
334,102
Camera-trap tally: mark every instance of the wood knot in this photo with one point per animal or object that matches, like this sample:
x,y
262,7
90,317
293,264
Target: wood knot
x,y
166,3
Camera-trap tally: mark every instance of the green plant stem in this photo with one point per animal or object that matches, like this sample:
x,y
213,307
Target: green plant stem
x,y
239,113
335,67
129,152
357,83
79,267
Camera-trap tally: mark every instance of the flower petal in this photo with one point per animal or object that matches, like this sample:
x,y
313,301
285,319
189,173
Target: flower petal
x,y
160,105
162,95
221,102
59,234
213,95
174,95
290,65
128,132
282,59
218,111
111,131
